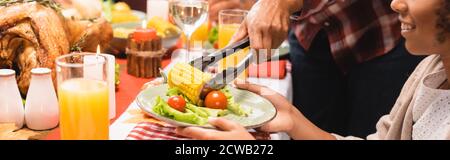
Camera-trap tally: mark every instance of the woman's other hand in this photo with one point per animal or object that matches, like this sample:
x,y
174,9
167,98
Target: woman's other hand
x,y
228,130
283,122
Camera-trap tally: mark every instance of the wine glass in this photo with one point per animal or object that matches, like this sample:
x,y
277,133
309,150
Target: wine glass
x,y
188,15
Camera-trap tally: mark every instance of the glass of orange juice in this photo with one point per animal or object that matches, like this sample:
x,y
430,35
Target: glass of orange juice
x,y
229,23
83,96
200,36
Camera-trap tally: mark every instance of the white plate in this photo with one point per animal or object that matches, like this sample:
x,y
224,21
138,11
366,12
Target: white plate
x,y
262,111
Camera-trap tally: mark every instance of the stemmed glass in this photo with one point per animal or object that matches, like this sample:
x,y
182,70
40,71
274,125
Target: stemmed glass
x,y
188,15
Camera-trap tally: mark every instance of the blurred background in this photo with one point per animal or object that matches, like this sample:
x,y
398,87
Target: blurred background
x,y
141,4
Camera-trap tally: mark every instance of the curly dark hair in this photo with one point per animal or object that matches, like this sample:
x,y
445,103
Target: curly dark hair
x,y
444,20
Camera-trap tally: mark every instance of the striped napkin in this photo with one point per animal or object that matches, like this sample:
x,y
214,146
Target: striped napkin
x,y
157,131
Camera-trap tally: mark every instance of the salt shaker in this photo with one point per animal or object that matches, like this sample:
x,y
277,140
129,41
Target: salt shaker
x,y
41,107
11,105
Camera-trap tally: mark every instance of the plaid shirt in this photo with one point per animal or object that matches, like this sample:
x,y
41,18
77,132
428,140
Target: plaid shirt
x,y
358,30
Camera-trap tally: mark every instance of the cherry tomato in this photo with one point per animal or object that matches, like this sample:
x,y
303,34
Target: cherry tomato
x,y
177,102
216,100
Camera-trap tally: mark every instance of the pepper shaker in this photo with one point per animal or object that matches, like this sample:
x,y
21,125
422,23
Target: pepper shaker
x,y
41,107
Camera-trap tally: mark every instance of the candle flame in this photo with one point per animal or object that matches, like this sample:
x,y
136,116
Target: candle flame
x,y
98,50
144,24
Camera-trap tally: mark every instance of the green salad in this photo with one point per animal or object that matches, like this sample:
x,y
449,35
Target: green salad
x,y
179,108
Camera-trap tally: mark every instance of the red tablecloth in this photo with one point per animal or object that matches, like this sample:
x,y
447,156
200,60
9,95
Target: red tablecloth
x,y
129,88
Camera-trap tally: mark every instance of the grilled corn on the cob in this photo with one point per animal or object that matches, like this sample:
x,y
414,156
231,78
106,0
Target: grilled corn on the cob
x,y
189,80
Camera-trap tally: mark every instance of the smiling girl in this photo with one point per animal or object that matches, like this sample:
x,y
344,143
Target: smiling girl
x,y
422,110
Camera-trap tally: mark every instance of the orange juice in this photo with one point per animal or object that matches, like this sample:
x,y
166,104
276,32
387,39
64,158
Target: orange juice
x,y
226,32
201,34
84,110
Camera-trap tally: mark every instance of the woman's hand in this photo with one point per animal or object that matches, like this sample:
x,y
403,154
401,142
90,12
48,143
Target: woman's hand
x,y
228,131
267,24
215,6
284,120
288,118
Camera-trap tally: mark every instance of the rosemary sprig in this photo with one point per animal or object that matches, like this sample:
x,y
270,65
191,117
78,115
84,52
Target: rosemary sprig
x,y
77,46
48,3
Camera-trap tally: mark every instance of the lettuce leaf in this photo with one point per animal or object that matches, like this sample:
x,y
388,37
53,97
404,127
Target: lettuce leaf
x,y
232,106
162,108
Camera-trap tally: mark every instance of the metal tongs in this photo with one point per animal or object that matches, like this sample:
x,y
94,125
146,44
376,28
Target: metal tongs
x,y
225,77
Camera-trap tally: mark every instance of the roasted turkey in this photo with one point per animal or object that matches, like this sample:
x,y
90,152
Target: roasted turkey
x,y
34,34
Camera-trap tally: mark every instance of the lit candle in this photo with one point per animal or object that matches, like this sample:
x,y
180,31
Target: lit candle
x,y
98,50
111,84
93,70
144,33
